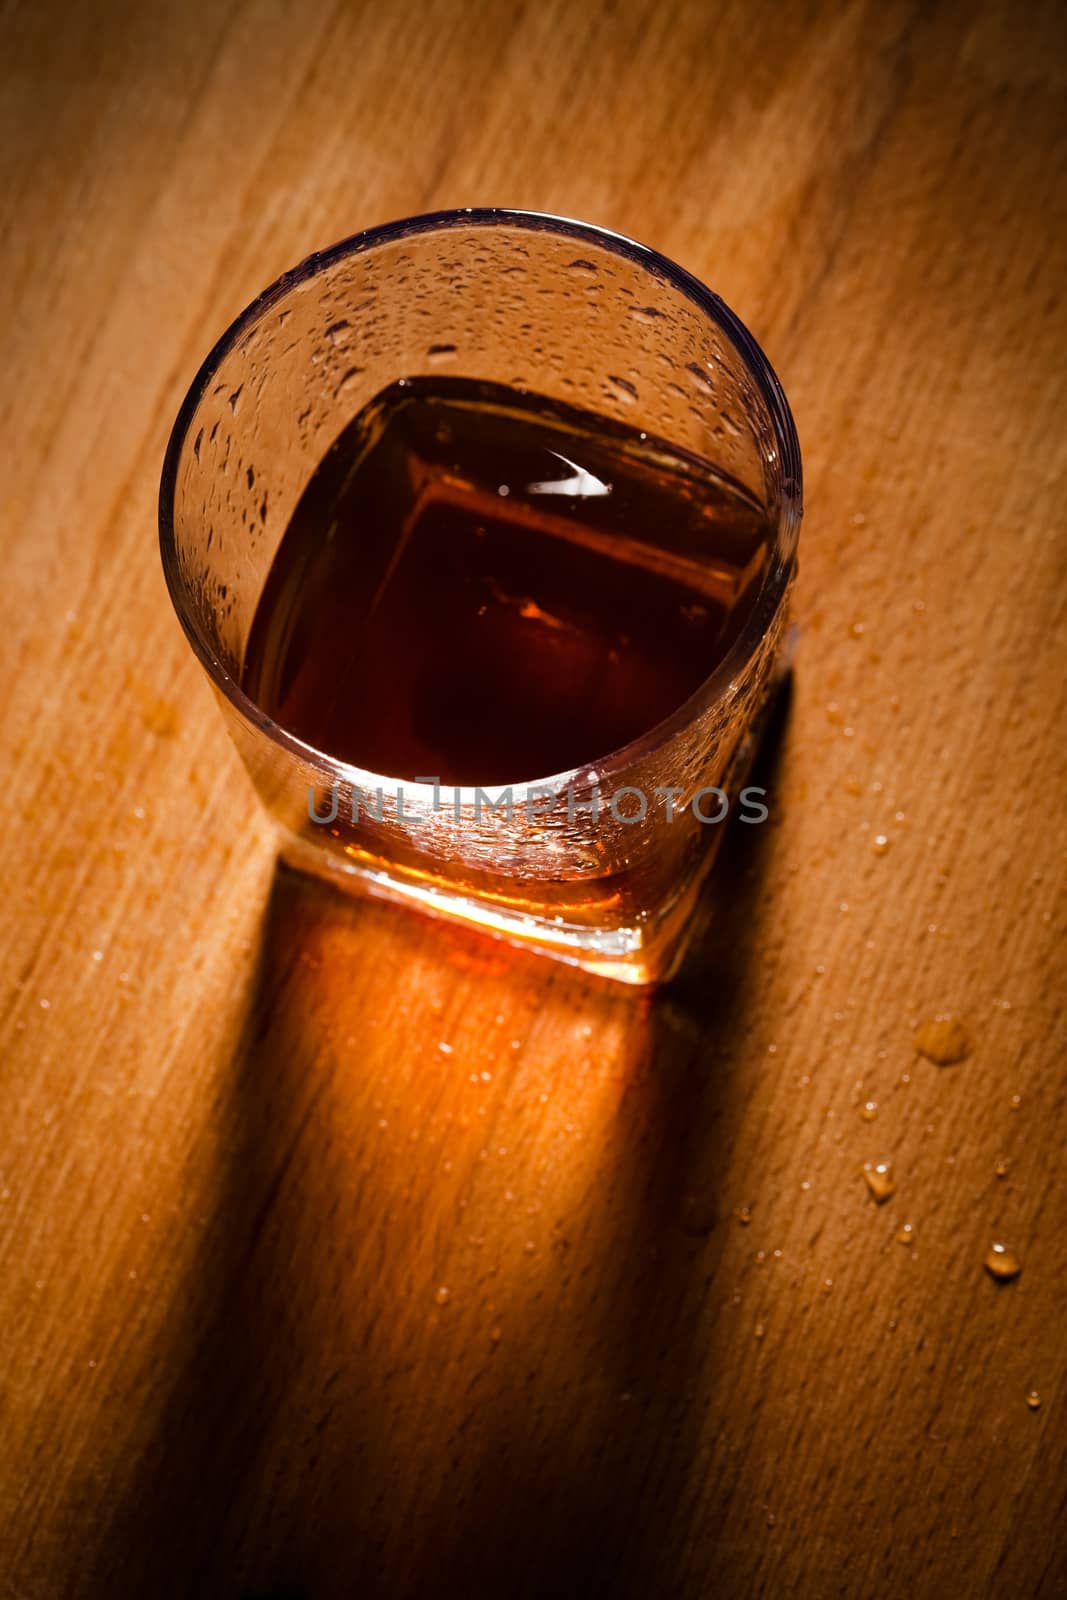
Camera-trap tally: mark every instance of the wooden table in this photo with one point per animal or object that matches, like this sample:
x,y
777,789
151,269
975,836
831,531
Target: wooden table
x,y
346,1257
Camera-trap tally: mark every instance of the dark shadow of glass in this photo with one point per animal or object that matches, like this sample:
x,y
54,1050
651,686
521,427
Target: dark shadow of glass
x,y
331,1422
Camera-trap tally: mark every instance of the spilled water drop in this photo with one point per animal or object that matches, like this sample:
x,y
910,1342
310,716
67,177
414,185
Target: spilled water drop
x,y
879,1179
1002,1263
943,1040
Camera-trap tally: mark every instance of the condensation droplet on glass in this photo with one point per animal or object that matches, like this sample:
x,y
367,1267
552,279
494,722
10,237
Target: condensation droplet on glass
x,y
880,844
869,1110
443,1296
628,389
1015,1102
744,1215
1001,1167
1033,1400
905,1234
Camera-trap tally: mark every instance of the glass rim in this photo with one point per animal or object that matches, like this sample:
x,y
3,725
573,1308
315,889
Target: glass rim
x,y
719,682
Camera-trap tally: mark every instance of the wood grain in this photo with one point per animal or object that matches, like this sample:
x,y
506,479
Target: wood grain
x,y
346,1256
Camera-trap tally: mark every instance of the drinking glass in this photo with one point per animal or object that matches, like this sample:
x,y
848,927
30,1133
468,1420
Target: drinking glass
x,y
579,316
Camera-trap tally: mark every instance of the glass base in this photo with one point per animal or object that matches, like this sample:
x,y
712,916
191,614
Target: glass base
x,y
642,956
646,953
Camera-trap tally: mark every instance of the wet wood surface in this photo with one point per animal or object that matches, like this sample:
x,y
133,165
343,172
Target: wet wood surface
x,y
345,1256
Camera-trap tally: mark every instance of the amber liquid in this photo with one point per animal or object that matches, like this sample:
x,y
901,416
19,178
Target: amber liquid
x,y
486,588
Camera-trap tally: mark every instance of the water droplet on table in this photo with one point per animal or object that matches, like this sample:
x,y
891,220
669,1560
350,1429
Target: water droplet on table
x,y
879,1179
1002,1263
943,1040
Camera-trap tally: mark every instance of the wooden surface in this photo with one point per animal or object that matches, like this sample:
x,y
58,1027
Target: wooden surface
x,y
345,1257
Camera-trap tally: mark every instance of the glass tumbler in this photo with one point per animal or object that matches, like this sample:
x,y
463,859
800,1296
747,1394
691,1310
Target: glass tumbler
x,y
599,866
